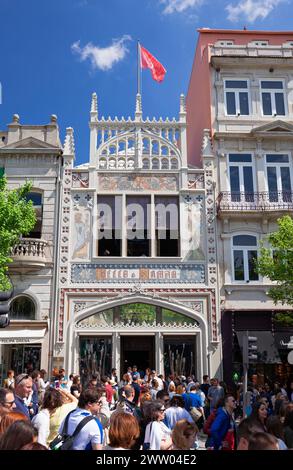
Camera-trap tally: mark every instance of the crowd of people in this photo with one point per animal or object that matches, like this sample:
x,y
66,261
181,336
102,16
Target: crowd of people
x,y
143,411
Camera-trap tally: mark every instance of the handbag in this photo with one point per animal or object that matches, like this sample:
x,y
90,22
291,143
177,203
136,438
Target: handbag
x,y
196,414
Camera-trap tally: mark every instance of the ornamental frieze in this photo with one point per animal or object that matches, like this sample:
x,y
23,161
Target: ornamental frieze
x,y
137,182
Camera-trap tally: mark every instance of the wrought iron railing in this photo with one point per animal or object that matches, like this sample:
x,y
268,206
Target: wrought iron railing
x,y
262,201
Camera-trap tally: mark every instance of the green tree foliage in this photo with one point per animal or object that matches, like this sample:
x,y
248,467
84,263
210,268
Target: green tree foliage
x,y
284,318
277,263
17,217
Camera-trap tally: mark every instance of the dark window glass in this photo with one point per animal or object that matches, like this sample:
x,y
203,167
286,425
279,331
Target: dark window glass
x,y
277,158
231,103
239,157
272,183
95,357
179,355
167,226
238,265
244,240
234,183
138,228
252,258
243,103
266,104
248,183
109,210
236,83
272,85
22,308
36,199
286,184
280,105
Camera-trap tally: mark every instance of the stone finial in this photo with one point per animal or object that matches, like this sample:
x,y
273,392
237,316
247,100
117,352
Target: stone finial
x,y
182,104
15,118
206,148
94,106
53,118
138,107
69,147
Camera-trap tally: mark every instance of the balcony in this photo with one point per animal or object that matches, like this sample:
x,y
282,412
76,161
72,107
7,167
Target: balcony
x,y
30,254
278,202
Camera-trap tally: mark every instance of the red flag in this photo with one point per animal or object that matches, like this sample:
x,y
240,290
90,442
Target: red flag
x,y
148,61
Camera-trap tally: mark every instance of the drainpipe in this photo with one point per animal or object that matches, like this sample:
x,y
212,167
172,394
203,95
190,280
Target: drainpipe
x,y
54,316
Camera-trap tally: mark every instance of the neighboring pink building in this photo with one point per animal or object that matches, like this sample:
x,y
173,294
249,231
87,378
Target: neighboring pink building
x,y
200,102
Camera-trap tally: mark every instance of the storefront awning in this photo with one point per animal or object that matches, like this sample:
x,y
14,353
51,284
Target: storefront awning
x,y
21,336
266,347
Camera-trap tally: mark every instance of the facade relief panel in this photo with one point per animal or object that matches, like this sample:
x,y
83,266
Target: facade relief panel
x,y
137,182
192,239
81,227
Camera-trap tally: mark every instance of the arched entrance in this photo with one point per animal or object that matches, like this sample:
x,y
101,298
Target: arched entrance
x,y
143,331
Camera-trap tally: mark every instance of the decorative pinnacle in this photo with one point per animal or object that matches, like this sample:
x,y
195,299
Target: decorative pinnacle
x,y
94,106
53,118
138,107
182,104
69,147
15,118
207,149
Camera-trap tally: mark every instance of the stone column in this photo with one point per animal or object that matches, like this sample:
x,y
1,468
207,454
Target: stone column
x,y
159,344
116,352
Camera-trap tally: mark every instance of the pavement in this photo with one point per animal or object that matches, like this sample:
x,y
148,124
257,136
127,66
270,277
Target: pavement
x,y
201,438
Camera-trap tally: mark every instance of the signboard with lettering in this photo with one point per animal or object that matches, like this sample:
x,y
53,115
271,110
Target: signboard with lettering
x,y
149,273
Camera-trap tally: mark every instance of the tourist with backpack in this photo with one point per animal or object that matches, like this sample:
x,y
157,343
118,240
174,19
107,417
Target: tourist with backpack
x,y
81,430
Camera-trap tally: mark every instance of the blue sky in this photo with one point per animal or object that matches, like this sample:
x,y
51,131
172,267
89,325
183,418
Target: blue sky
x,y
55,54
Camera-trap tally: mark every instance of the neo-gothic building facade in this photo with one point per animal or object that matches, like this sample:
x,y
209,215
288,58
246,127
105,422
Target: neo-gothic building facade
x,y
137,286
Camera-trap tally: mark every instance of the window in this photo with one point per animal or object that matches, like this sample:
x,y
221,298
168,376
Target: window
x,y
138,215
22,308
272,95
279,178
241,177
236,97
259,43
36,199
167,226
244,257
109,212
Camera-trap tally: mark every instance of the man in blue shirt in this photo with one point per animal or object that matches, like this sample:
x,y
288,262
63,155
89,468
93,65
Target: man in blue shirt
x,y
23,389
91,435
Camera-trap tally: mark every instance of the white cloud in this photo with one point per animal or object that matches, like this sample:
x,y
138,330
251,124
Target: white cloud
x,y
250,10
102,58
179,5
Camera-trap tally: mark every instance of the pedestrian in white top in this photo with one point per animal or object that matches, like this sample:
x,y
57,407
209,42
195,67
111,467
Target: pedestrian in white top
x,y
157,434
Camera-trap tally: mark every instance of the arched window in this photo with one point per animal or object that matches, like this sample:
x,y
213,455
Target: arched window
x,y
244,257
36,198
146,163
22,308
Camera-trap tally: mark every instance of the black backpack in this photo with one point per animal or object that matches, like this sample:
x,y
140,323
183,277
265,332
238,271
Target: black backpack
x,y
64,441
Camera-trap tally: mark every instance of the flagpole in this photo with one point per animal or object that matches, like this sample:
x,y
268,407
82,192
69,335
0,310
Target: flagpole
x,y
138,69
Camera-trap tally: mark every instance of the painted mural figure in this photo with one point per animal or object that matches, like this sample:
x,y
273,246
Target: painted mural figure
x,y
194,232
82,236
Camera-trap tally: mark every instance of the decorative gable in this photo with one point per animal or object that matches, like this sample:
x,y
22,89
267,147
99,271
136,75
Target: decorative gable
x,y
278,126
30,143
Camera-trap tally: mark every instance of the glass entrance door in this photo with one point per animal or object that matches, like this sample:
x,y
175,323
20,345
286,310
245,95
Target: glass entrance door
x,y
95,357
25,358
